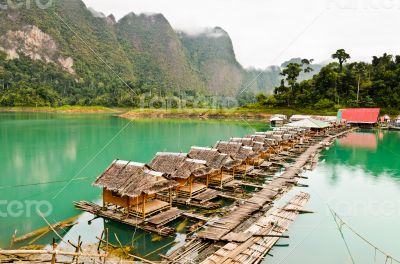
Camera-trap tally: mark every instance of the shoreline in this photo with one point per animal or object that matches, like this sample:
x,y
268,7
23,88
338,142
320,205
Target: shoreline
x,y
206,114
133,114
186,113
61,110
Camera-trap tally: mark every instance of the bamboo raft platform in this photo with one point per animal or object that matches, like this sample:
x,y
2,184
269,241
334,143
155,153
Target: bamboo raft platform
x,y
124,218
206,196
251,245
256,215
166,217
194,203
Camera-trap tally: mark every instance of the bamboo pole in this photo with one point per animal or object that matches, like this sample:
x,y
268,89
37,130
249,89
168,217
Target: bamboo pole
x,y
144,206
44,230
141,259
170,197
53,257
190,186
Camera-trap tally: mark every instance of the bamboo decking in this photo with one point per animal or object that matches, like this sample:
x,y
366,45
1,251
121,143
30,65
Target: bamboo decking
x,y
249,230
124,218
206,196
252,244
165,217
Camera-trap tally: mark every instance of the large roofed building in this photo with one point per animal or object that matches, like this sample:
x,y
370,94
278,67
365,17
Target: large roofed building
x,y
368,116
309,123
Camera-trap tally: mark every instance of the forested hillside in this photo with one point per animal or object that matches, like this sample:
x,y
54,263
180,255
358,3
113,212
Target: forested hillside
x,y
340,84
68,54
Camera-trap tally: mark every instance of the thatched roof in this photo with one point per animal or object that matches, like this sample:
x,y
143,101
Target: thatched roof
x,y
256,142
236,150
266,134
207,154
270,142
230,148
262,139
232,163
245,153
214,158
203,172
167,162
190,167
133,179
258,138
245,141
258,146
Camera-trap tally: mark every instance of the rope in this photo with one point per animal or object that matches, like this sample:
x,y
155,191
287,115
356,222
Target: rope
x,y
377,249
41,183
340,228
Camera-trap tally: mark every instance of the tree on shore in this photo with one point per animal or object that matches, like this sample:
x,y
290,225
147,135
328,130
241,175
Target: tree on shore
x,y
342,57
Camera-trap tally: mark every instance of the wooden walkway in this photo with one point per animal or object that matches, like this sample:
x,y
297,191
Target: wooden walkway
x,y
196,216
246,232
206,196
165,217
251,245
222,226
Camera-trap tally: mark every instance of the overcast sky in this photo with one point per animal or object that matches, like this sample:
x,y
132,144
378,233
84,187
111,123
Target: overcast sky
x,y
268,32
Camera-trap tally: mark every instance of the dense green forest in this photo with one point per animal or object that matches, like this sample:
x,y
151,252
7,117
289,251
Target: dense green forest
x,y
339,84
68,54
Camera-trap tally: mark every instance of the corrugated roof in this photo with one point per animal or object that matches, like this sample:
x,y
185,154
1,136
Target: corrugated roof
x,y
309,123
360,115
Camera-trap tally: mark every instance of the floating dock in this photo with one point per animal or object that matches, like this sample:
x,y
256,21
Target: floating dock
x,y
249,230
245,231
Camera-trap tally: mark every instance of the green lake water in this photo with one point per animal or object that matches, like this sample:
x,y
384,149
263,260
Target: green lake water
x,y
359,177
56,148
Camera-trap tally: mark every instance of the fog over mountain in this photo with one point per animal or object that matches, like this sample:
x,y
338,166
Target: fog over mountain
x,y
56,51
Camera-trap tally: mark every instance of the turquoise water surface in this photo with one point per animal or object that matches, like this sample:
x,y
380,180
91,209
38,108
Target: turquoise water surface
x,y
53,159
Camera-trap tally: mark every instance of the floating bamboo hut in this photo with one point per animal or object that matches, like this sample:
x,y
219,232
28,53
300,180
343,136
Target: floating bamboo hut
x,y
134,186
270,145
183,170
254,150
220,165
238,152
237,232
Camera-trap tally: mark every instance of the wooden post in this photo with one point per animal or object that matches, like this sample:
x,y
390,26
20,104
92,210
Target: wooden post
x,y
53,256
207,180
104,203
220,181
78,249
144,206
191,187
129,205
104,261
99,245
170,197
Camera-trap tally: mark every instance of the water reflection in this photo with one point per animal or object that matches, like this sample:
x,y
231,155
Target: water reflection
x,y
359,140
375,152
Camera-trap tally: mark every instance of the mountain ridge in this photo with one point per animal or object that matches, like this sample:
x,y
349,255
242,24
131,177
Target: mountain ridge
x,y
142,49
